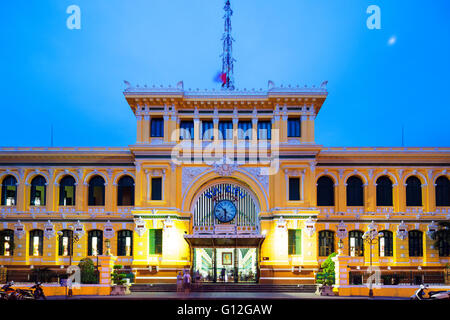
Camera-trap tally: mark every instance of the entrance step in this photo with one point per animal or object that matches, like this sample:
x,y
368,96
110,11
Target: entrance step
x,y
226,287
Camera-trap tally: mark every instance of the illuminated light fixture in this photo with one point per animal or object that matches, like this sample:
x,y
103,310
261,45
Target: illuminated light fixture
x,y
340,244
419,268
264,232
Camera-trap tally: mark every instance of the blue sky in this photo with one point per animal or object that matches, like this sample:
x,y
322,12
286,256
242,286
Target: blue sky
x,y
73,79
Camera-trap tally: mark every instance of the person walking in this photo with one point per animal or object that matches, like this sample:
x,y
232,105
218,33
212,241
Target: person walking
x,y
187,282
179,282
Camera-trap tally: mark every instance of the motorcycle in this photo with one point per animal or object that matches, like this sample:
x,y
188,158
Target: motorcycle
x,y
7,292
38,291
432,295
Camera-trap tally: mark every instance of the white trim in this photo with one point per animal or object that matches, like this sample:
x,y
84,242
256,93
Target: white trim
x,y
95,172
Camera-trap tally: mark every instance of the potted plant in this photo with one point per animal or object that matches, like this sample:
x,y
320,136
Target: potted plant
x,y
120,285
326,278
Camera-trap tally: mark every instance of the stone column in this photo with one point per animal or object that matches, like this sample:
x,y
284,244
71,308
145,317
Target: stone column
x,y
341,269
106,264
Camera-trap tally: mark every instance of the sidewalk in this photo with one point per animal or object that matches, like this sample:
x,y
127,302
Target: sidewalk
x,y
216,296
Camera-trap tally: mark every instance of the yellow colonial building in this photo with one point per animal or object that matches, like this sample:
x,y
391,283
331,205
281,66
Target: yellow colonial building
x,y
230,184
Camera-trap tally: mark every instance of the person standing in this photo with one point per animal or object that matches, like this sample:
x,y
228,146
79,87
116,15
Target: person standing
x,y
179,282
187,282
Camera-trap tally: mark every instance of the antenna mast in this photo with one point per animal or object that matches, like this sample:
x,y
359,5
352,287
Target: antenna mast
x,y
227,57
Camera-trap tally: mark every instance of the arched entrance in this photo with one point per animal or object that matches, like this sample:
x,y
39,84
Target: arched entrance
x,y
225,239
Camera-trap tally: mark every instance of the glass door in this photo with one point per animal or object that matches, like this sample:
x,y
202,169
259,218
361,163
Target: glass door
x,y
247,264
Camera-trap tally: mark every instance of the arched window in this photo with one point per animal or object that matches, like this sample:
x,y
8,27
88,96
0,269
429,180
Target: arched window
x,y
413,192
386,244
415,243
443,241
355,191
325,191
95,243
96,191
6,242
384,192
38,194
9,191
355,244
442,192
36,243
326,243
125,243
65,247
67,191
125,191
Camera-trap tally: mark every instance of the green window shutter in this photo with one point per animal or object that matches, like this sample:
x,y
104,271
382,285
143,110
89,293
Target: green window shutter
x,y
298,241
295,241
155,241
158,241
291,241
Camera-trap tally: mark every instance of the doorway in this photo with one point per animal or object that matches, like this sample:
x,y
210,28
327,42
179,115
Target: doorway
x,y
224,265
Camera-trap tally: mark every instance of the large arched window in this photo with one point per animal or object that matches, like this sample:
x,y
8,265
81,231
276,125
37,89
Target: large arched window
x,y
355,244
65,242
386,244
124,243
355,191
125,191
325,191
442,192
384,191
9,191
413,192
6,242
326,243
96,191
67,191
415,243
36,243
38,191
95,243
443,242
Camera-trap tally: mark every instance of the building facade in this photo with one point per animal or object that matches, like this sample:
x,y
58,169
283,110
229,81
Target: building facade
x,y
230,184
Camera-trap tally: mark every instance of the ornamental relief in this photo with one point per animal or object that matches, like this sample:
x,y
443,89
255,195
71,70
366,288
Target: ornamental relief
x,y
49,230
342,230
402,231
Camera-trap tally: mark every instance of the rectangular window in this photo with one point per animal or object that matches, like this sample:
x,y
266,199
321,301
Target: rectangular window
x,y
157,127
155,241
294,188
36,246
264,130
295,241
94,242
10,195
187,130
245,130
207,130
294,127
226,130
128,246
157,188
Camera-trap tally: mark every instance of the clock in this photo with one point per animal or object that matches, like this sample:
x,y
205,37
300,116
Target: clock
x,y
225,211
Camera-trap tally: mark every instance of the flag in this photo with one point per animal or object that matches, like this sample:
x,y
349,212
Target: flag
x,y
220,78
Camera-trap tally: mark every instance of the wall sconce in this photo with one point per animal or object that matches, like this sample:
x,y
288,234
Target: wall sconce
x,y
108,247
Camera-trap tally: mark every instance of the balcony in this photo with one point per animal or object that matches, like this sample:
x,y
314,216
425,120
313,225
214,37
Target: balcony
x,y
8,209
124,209
327,210
385,210
355,210
66,209
96,209
38,209
414,210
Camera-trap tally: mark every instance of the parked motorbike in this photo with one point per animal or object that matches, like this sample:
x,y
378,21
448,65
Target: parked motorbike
x,y
38,291
432,295
7,292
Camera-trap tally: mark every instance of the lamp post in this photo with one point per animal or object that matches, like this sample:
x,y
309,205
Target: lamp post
x,y
371,237
340,246
108,247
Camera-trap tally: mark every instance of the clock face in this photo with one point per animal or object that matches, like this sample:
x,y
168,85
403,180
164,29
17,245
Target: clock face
x,y
225,211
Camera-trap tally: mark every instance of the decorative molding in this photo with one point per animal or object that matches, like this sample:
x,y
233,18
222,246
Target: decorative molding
x,y
19,229
49,230
310,225
108,230
342,230
78,229
402,231
139,226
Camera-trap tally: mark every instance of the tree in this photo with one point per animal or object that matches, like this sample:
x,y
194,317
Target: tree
x,y
88,272
327,275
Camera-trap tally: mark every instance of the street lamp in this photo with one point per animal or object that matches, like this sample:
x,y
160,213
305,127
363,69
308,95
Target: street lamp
x,y
371,237
108,247
340,246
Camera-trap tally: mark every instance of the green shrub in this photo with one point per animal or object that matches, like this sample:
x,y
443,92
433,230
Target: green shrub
x,y
327,275
88,271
